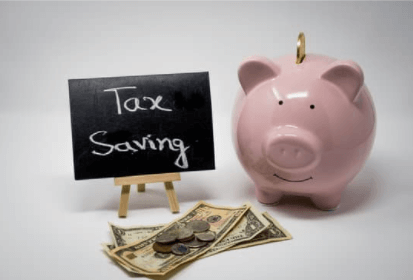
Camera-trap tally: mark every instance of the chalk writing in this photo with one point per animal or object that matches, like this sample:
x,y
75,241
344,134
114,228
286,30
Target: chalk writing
x,y
154,102
134,146
139,125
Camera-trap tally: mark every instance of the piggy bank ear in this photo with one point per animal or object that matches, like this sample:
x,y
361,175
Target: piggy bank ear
x,y
255,70
347,76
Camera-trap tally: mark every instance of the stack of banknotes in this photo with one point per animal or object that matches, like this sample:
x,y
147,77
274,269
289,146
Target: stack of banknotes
x,y
234,228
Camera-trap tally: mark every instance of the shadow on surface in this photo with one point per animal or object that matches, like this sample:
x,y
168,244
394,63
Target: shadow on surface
x,y
92,195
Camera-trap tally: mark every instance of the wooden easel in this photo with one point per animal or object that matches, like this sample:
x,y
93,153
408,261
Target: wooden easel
x,y
140,181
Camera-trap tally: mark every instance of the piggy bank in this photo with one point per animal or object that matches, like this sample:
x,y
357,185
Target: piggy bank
x,y
302,129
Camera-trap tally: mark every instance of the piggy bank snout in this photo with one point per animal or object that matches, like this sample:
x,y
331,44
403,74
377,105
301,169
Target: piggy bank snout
x,y
293,149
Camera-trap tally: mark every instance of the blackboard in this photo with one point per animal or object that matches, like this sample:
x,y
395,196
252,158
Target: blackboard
x,y
127,126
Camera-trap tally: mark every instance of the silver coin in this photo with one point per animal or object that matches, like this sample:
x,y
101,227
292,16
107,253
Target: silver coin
x,y
162,248
175,228
167,237
162,255
185,233
198,226
196,243
180,249
206,236
192,237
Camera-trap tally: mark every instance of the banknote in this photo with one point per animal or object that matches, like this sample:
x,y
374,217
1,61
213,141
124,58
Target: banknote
x,y
274,232
107,248
127,235
251,224
141,257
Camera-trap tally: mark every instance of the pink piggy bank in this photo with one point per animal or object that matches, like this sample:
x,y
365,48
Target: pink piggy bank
x,y
302,129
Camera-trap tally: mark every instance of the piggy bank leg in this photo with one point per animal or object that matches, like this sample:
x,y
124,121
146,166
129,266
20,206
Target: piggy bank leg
x,y
327,201
268,197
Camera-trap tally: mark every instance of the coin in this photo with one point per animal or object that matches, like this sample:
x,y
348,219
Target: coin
x,y
188,239
167,237
198,226
180,249
195,243
185,234
206,236
162,248
300,48
162,255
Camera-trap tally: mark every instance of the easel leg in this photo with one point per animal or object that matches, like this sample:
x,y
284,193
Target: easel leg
x,y
170,193
141,187
124,201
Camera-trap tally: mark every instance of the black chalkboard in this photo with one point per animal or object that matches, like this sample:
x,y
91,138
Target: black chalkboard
x,y
126,126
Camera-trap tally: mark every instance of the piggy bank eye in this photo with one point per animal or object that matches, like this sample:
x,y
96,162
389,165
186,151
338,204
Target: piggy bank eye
x,y
312,106
280,102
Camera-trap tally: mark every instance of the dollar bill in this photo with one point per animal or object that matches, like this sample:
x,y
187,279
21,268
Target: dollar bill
x,y
251,224
127,235
247,227
272,233
140,256
107,248
275,232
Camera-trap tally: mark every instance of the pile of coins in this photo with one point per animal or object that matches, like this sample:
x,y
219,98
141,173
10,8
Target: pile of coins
x,y
194,234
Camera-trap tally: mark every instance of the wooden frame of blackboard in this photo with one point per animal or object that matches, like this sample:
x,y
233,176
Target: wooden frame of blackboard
x,y
140,181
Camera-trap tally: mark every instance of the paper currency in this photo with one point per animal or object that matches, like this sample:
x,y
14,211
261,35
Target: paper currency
x,y
107,248
253,228
274,232
141,257
250,225
123,236
129,235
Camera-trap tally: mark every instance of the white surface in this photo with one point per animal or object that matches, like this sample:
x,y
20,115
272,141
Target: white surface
x,y
52,226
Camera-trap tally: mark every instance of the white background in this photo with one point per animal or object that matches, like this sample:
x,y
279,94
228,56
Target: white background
x,y
52,225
